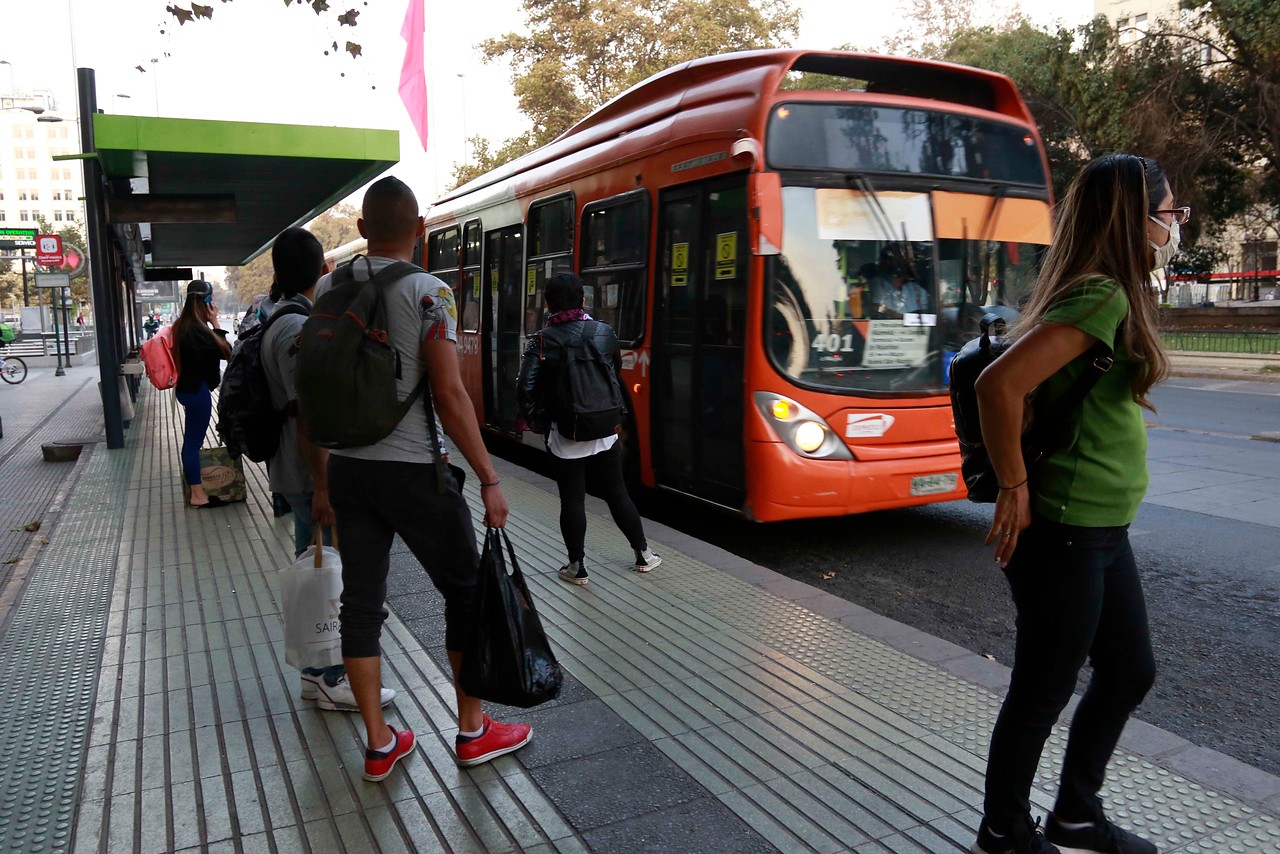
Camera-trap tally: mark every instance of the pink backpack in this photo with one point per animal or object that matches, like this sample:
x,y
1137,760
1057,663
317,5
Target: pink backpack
x,y
157,358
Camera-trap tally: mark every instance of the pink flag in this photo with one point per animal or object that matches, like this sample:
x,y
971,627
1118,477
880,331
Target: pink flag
x,y
413,79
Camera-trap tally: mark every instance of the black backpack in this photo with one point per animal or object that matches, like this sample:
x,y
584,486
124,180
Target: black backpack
x,y
248,421
347,370
1038,441
588,398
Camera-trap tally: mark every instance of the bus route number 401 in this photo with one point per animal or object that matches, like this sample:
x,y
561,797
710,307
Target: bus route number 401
x,y
932,484
833,343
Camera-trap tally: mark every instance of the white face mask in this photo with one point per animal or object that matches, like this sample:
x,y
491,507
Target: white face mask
x,y
1164,254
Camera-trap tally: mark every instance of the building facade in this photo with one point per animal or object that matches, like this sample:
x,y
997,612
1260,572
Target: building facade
x,y
32,184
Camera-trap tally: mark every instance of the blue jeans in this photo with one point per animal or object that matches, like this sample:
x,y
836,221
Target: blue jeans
x,y
303,529
199,407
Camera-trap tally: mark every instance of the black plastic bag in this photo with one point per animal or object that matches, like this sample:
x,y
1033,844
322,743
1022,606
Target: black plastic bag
x,y
509,660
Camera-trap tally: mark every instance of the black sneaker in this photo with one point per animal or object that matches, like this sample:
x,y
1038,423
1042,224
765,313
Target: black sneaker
x,y
1101,838
574,572
1022,839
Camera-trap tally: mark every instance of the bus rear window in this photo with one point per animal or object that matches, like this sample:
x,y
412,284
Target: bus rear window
x,y
867,138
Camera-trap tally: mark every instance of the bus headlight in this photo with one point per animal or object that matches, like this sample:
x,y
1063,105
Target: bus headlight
x,y
801,429
810,435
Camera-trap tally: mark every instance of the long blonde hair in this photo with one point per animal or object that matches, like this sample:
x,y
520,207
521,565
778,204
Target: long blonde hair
x,y
1101,230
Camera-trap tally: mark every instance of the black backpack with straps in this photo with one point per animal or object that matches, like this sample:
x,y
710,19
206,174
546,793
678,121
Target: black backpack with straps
x,y
589,402
248,422
347,367
1045,435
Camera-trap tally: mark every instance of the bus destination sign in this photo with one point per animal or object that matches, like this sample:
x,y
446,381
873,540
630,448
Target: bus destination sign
x,y
17,238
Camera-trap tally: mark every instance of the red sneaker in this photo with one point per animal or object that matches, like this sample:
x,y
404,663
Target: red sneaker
x,y
497,739
378,765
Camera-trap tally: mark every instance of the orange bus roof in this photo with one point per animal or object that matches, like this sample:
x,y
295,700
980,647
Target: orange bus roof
x,y
752,74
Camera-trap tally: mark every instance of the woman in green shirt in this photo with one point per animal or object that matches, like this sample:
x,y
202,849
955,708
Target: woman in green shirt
x,y
1061,524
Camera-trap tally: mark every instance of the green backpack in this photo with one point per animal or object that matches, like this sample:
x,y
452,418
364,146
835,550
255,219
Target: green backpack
x,y
347,370
6,334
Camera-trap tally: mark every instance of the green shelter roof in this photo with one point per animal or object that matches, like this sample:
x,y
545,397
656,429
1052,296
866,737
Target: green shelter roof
x,y
219,192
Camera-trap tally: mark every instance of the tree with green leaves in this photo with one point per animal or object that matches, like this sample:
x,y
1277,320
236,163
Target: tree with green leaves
x,y
333,228
1090,95
578,54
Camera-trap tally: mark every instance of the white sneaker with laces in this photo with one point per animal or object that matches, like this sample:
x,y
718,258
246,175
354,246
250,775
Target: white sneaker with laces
x,y
329,687
647,560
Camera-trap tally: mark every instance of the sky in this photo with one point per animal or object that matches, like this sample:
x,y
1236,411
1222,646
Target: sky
x,y
258,60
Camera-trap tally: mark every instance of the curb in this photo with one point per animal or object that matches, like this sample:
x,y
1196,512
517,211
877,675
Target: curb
x,y
1209,768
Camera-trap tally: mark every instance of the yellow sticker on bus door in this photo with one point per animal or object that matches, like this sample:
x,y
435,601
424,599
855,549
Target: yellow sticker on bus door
x,y
679,265
727,255
532,287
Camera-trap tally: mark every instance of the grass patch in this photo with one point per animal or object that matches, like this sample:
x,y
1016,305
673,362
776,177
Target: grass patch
x,y
1270,369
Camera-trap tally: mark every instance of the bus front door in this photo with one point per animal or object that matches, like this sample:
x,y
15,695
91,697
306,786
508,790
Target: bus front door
x,y
504,321
698,340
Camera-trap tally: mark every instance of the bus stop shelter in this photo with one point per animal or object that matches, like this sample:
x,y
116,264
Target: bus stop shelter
x,y
164,196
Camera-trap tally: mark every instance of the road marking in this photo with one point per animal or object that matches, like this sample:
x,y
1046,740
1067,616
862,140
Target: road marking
x,y
1222,387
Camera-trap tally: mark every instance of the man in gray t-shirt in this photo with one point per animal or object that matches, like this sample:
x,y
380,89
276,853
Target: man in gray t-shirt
x,y
390,488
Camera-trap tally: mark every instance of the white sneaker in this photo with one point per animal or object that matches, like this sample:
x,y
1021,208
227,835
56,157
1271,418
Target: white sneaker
x,y
647,560
329,687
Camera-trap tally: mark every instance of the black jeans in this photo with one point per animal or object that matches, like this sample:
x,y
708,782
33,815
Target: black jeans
x,y
604,473
374,501
1078,594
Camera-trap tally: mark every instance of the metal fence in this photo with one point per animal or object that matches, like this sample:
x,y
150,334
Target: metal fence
x,y
1256,343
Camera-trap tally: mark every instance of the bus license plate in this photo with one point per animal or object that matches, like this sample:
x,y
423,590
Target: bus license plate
x,y
932,484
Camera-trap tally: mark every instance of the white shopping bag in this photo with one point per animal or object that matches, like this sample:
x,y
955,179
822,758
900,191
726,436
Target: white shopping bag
x,y
309,592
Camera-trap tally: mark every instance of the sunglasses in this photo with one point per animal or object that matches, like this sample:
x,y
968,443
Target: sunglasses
x,y
1181,216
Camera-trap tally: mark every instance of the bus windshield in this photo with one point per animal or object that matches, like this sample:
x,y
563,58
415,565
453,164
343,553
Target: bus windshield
x,y
868,138
864,299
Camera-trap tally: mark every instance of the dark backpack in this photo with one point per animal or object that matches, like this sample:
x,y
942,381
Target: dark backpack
x,y
1038,441
347,370
248,421
589,400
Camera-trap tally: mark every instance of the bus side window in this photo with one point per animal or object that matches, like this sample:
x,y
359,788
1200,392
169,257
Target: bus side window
x,y
442,256
550,251
468,294
615,249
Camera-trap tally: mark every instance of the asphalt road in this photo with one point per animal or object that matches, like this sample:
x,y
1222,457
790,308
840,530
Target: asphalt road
x,y
1212,583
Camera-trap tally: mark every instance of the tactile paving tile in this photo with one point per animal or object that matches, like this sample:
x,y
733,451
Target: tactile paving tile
x,y
933,781
1257,833
197,675
52,656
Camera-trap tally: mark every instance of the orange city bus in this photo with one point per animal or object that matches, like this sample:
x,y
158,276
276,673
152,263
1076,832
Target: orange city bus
x,y
790,246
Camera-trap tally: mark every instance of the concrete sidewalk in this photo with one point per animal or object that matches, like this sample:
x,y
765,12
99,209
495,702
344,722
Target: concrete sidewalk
x,y
711,705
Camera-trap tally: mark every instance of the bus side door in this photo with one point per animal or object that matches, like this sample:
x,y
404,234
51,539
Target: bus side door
x,y
503,314
700,310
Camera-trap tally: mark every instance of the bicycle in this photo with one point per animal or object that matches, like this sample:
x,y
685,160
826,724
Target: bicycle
x,y
12,369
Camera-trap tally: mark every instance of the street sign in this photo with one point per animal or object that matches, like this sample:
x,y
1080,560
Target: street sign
x,y
17,238
49,250
53,280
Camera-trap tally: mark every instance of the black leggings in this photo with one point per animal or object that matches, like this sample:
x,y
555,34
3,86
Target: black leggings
x,y
1078,595
604,472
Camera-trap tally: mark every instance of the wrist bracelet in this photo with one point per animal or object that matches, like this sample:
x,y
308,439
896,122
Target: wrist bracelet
x,y
1015,486
495,483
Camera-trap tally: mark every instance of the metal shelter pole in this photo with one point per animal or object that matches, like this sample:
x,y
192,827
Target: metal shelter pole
x,y
66,325
96,224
